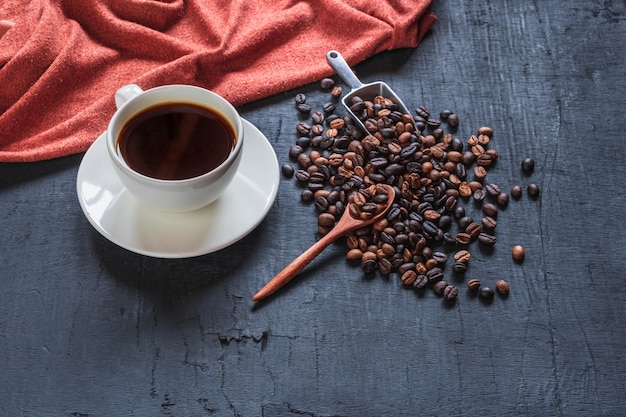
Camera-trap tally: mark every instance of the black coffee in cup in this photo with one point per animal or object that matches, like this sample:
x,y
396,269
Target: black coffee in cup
x,y
176,141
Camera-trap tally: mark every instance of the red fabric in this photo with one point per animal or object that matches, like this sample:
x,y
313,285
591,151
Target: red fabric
x,y
62,60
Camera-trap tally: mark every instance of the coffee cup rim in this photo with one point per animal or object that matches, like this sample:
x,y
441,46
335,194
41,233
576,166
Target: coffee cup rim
x,y
217,171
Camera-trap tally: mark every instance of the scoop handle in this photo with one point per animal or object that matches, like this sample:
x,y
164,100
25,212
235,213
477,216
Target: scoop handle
x,y
341,67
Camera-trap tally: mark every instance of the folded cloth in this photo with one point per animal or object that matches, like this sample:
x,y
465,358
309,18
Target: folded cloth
x,y
62,60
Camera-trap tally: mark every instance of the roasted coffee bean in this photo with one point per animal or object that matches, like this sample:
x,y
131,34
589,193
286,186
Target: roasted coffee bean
x,y
422,112
450,293
443,115
439,287
465,221
473,229
302,175
453,121
463,238
430,229
306,195
433,124
321,204
493,190
528,165
304,108
434,275
369,266
533,191
295,151
485,130
490,210
479,195
486,293
326,220
484,160
385,266
480,172
502,287
486,239
440,257
303,128
421,281
502,199
459,212
300,98
327,83
462,256
518,252
459,267
449,239
516,191
489,222
409,277
287,170
317,118
473,284
329,108
336,91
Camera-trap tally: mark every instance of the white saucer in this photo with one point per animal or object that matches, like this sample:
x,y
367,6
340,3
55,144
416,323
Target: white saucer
x,y
128,223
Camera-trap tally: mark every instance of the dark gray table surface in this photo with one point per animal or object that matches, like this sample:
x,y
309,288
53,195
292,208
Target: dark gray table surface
x,y
90,329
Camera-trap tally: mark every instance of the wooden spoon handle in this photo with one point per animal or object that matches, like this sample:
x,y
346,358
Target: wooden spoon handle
x,y
297,265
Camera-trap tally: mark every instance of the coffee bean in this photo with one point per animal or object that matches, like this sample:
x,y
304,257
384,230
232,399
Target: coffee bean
x,y
486,239
422,112
303,128
493,190
479,195
327,83
304,108
473,229
300,98
434,275
421,281
465,221
490,210
326,220
518,252
473,284
409,277
369,266
502,287
516,191
459,267
463,238
486,293
450,293
385,266
453,121
502,199
439,287
287,170
489,222
528,165
533,191
462,256
485,131
306,195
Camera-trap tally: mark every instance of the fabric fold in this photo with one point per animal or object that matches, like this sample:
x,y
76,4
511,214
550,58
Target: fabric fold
x,y
62,60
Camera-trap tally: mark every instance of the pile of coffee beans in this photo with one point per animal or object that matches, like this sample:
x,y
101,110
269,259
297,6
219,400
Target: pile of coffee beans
x,y
432,171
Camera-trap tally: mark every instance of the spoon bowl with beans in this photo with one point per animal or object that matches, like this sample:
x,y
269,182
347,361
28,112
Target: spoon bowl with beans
x,y
361,99
365,207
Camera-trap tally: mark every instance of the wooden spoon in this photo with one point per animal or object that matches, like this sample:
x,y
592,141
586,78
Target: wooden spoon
x,y
346,224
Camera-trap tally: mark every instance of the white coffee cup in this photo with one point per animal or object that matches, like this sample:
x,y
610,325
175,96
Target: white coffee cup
x,y
173,194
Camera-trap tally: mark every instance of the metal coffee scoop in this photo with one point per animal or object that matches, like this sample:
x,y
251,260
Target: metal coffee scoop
x,y
364,91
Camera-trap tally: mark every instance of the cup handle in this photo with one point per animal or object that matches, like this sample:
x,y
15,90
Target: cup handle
x,y
126,93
